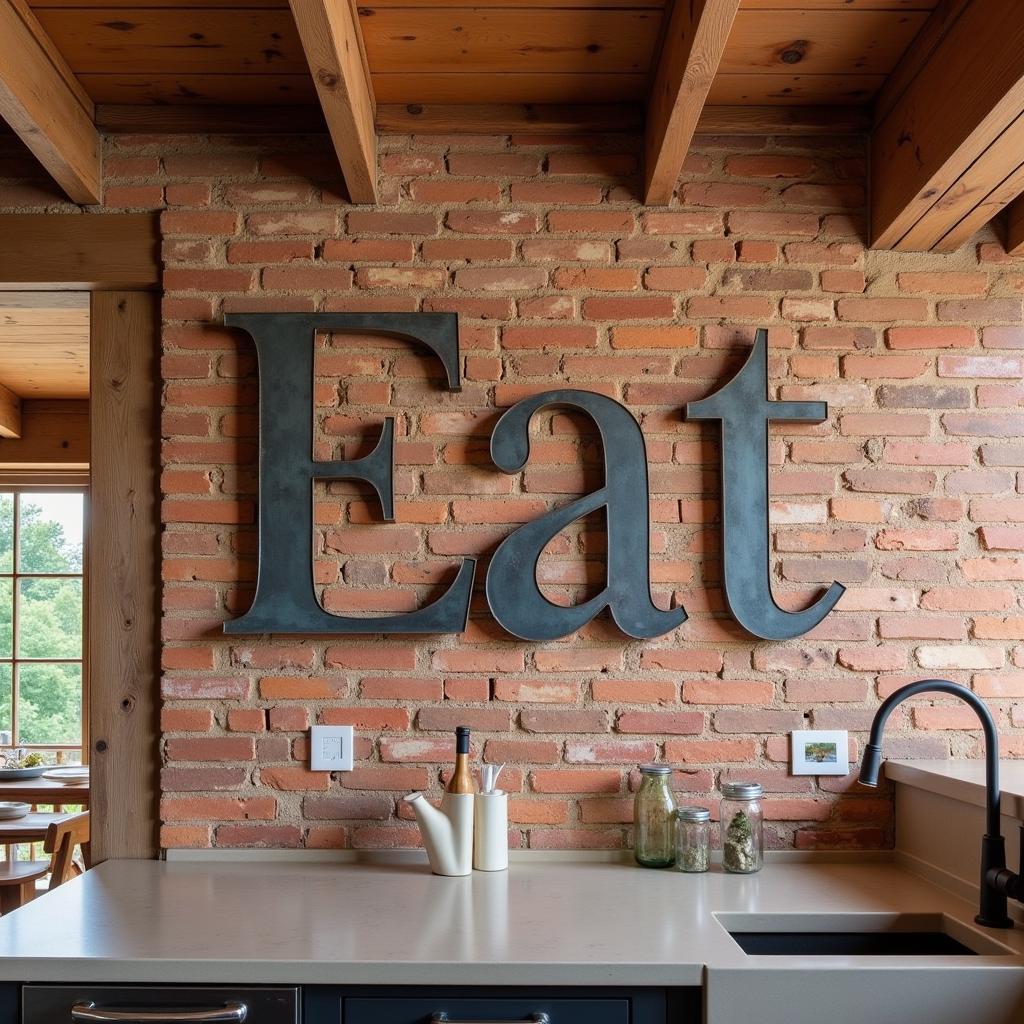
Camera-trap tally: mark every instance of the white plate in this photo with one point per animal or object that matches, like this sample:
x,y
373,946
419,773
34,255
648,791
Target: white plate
x,y
68,776
9,810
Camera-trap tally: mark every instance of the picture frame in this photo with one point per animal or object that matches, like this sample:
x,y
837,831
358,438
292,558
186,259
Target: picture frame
x,y
820,752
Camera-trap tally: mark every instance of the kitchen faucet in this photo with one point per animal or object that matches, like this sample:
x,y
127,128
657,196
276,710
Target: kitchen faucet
x,y
997,881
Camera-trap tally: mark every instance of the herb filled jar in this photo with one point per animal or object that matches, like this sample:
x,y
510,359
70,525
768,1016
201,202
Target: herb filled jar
x,y
742,827
693,839
654,838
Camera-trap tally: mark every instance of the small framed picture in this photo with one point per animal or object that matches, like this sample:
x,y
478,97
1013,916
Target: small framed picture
x,y
820,752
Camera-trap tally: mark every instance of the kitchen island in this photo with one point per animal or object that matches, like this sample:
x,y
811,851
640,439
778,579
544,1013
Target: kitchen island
x,y
592,924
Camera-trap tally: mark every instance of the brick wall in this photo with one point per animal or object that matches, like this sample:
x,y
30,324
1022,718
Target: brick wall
x,y
909,493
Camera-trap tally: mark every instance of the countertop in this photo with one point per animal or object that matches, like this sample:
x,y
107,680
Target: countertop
x,y
386,919
963,780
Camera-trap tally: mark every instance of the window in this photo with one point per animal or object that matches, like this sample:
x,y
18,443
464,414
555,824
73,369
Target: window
x,y
42,678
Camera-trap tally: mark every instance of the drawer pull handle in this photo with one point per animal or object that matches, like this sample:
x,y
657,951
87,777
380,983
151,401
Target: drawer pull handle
x,y
90,1013
534,1018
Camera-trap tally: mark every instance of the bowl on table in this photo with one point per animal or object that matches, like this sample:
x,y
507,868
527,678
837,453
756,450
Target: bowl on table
x,y
9,810
20,774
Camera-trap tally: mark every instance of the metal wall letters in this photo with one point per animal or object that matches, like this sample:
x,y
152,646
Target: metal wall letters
x,y
285,600
744,411
514,598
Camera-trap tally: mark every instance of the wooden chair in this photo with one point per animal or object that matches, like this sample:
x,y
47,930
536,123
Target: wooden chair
x,y
18,882
61,839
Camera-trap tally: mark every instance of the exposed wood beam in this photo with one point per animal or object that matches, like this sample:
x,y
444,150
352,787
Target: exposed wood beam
x,y
10,413
1015,227
690,54
445,119
947,152
46,106
331,37
197,118
93,251
540,118
54,435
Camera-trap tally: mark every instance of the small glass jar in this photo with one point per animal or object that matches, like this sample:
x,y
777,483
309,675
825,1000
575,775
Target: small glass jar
x,y
654,840
693,839
742,827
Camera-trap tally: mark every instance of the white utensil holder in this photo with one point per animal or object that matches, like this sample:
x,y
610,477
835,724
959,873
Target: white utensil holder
x,y
490,832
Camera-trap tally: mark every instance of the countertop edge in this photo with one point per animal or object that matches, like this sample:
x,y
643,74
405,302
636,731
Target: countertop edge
x,y
963,781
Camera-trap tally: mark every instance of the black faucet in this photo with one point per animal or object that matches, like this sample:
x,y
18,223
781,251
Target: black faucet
x,y
997,882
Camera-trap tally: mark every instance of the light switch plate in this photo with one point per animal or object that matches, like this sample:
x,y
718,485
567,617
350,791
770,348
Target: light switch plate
x,y
330,748
820,752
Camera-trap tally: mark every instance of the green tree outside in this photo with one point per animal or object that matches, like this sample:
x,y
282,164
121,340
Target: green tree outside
x,y
49,626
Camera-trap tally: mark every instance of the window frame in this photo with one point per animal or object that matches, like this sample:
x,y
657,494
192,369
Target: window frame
x,y
18,484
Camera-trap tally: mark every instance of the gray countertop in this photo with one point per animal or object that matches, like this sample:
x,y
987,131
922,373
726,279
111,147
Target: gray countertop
x,y
387,920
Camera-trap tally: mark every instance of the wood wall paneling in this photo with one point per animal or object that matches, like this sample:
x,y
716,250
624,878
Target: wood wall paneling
x,y
44,344
45,106
55,251
54,435
123,595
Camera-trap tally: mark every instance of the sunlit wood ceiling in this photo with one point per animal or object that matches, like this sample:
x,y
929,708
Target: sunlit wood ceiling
x,y
938,85
44,344
476,51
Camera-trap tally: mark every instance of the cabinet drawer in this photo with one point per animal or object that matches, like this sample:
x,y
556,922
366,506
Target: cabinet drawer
x,y
53,1004
458,1009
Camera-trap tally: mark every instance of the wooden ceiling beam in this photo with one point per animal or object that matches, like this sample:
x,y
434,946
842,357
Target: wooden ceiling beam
x,y
10,413
333,43
1015,227
46,106
946,151
690,54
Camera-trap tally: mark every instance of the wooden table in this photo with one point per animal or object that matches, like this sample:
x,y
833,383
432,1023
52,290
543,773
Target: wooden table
x,y
43,791
30,829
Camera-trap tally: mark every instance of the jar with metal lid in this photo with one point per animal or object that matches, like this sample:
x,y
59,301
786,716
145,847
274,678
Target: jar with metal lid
x,y
742,827
654,839
693,839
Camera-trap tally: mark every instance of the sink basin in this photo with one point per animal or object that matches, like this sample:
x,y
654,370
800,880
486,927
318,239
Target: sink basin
x,y
850,944
890,935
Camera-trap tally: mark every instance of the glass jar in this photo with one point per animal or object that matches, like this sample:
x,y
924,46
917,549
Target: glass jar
x,y
693,839
654,839
742,827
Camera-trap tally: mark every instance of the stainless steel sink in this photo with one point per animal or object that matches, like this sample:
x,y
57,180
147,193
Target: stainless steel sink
x,y
850,944
873,935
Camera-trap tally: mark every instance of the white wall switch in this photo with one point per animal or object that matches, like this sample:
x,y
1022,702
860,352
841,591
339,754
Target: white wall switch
x,y
330,748
820,752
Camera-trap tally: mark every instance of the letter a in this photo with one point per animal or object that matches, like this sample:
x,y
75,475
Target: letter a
x,y
513,595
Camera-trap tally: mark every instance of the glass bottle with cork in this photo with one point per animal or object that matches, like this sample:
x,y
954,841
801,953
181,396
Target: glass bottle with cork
x,y
462,778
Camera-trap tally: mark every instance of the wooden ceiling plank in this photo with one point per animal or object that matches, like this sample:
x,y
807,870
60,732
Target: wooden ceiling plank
x,y
690,55
819,41
10,413
447,118
332,40
758,89
779,119
962,99
45,106
550,119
